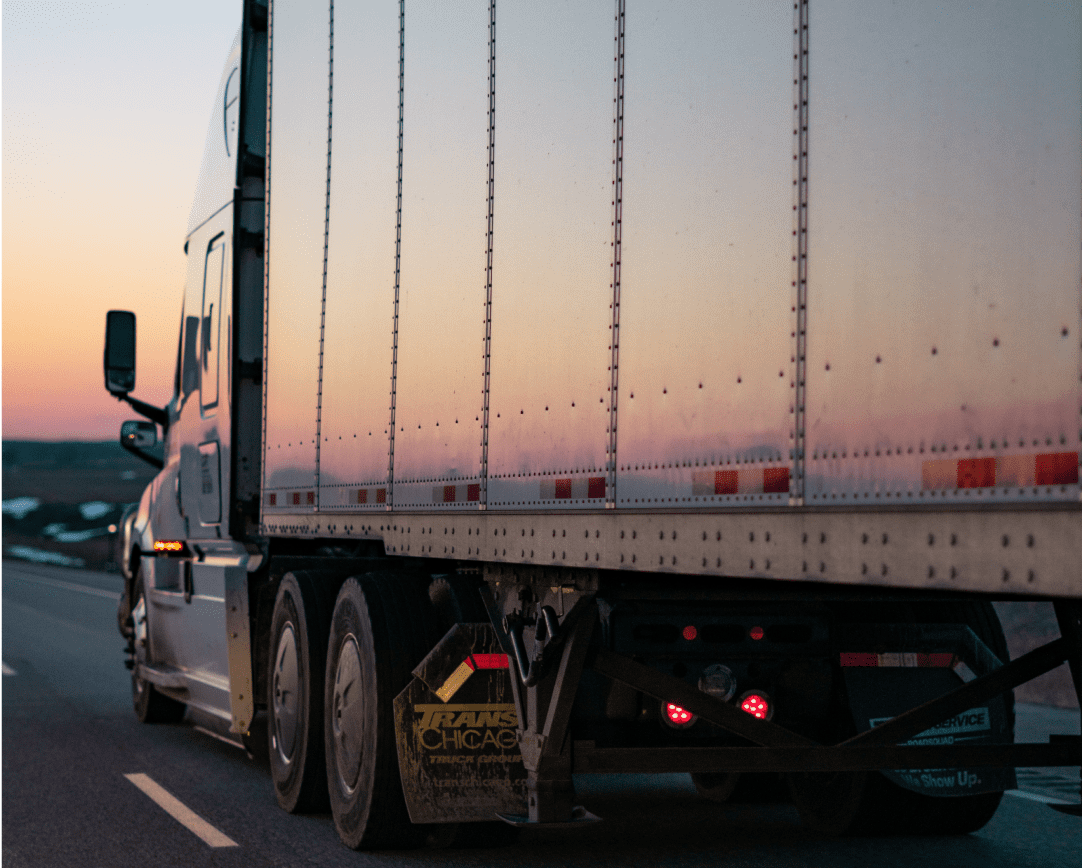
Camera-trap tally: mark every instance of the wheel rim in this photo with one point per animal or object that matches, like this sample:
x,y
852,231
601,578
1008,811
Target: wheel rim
x,y
347,722
286,686
139,644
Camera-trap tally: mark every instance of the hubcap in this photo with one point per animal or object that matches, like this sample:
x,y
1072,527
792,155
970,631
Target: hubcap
x,y
347,724
286,683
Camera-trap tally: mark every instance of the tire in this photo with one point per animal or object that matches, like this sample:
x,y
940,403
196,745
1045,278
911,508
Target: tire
x,y
965,814
150,704
456,600
715,786
867,803
298,651
383,626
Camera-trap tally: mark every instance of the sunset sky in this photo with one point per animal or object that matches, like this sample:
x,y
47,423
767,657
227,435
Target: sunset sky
x,y
105,112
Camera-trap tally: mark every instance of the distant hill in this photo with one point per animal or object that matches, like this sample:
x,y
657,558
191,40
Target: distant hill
x,y
69,453
73,472
61,500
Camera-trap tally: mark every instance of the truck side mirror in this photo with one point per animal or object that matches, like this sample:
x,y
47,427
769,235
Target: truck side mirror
x,y
139,435
136,437
120,352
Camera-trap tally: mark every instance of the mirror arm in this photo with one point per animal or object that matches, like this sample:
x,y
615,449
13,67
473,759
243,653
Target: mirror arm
x,y
154,414
145,456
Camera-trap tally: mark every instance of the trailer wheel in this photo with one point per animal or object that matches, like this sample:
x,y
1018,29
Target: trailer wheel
x,y
298,648
867,803
964,814
383,626
150,704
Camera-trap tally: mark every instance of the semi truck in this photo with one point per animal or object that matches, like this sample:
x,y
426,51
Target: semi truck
x,y
819,263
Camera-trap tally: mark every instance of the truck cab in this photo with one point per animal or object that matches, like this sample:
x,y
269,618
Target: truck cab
x,y
179,545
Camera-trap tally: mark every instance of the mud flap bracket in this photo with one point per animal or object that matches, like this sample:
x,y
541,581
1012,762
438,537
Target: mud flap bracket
x,y
555,619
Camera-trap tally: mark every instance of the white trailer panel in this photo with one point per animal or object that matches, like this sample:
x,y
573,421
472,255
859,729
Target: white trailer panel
x,y
437,390
355,391
945,223
297,206
706,367
552,256
560,177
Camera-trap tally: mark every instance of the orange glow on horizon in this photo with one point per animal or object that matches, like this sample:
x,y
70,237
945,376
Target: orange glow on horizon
x,y
105,117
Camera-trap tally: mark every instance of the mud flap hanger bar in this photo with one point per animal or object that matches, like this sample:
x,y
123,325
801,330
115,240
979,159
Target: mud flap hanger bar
x,y
544,694
550,639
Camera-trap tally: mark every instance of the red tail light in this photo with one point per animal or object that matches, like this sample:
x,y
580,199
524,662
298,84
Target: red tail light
x,y
678,717
757,704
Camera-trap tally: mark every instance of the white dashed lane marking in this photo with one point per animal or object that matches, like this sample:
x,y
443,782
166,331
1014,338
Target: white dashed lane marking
x,y
8,670
181,812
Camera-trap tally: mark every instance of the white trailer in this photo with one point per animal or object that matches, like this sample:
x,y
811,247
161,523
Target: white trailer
x,y
614,369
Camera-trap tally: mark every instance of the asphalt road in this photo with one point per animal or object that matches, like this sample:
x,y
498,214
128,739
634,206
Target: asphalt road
x,y
70,740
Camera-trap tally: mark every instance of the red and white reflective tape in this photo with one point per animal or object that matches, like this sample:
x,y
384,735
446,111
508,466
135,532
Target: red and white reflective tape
x,y
1007,471
369,495
466,668
895,660
291,498
468,493
751,480
573,488
907,660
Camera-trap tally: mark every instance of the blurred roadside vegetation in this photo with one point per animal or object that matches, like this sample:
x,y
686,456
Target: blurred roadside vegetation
x,y
60,500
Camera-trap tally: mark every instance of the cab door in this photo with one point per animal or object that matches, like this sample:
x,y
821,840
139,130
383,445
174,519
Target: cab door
x,y
190,614
209,497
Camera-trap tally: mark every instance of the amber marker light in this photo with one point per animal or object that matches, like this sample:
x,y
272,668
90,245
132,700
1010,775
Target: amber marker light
x,y
168,546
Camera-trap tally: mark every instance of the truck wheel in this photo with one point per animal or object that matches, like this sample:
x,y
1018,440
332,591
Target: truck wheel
x,y
867,803
382,627
964,814
151,706
298,648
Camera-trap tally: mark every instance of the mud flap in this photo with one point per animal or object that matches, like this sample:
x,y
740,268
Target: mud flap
x,y
898,668
456,729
